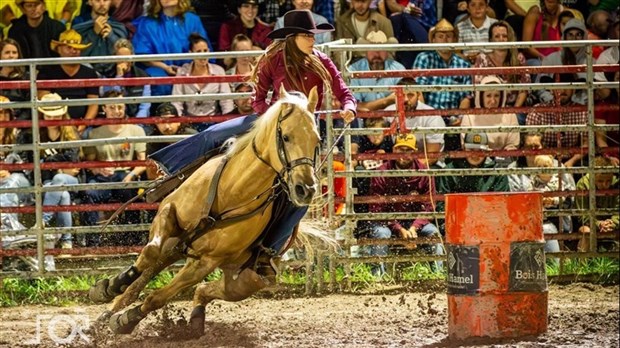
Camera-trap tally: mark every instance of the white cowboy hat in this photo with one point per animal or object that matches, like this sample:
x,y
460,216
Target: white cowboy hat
x,y
52,110
376,37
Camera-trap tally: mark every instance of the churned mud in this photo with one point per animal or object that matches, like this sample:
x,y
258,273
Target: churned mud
x,y
580,315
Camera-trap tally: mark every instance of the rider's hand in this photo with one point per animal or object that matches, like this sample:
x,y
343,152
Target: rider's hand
x,y
347,115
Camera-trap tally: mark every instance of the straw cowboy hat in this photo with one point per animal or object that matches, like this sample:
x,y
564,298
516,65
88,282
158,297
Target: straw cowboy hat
x,y
70,38
376,37
443,26
52,110
299,22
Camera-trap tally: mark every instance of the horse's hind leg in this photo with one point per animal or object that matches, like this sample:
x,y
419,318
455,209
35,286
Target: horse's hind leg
x,y
228,288
193,272
164,225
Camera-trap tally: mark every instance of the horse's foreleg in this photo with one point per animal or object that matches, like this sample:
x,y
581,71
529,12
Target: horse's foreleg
x,y
164,225
228,288
193,272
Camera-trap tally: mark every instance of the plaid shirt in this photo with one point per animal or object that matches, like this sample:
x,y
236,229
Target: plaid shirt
x,y
568,139
469,33
442,100
326,9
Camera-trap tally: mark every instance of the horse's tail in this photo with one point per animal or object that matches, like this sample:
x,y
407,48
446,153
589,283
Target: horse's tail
x,y
316,236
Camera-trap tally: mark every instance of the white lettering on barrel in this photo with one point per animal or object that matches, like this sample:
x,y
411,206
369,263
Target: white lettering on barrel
x,y
460,280
519,274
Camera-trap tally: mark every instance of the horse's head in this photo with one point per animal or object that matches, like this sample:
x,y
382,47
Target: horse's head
x,y
297,144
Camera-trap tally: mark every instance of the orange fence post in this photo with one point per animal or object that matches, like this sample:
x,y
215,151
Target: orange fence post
x,y
497,281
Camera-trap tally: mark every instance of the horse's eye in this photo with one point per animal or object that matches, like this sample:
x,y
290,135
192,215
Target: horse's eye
x,y
285,138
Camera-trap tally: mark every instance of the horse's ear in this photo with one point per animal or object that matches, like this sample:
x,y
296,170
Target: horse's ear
x,y
282,92
313,99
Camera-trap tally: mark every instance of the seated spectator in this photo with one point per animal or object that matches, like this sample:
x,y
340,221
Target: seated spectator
x,y
112,153
542,24
360,20
102,32
246,23
476,144
411,21
604,223
8,136
574,30
444,32
611,55
9,49
598,24
567,139
243,106
374,61
70,45
501,31
475,27
65,176
166,29
167,110
202,67
414,185
127,69
240,65
318,19
35,30
429,142
508,140
609,138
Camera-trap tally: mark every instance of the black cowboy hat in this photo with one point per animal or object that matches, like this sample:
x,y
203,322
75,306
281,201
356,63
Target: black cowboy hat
x,y
299,22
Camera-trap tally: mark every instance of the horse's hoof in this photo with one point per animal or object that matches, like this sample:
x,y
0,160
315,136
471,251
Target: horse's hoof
x,y
124,322
197,322
98,292
105,317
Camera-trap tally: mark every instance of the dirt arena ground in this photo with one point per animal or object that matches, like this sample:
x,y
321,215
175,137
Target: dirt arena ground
x,y
580,315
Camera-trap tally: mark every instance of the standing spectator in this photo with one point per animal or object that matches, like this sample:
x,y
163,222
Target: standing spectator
x,y
9,49
166,29
65,176
375,60
360,20
202,67
542,24
413,185
489,100
70,45
477,145
604,223
568,139
318,19
501,31
102,32
35,30
127,69
475,27
113,153
444,32
246,23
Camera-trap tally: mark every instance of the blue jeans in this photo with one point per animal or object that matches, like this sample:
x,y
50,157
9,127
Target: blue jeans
x,y
55,198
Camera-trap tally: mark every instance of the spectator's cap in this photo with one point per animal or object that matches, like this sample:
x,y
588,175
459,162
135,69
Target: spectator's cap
x,y
575,23
20,2
70,38
166,109
299,22
406,140
476,141
443,26
376,37
249,2
52,110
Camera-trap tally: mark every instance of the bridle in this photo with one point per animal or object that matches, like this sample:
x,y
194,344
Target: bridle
x,y
287,164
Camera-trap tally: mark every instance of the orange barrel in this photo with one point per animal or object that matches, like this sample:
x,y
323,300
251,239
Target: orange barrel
x,y
497,282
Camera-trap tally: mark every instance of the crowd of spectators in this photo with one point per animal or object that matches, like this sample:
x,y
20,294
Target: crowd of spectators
x,y
73,28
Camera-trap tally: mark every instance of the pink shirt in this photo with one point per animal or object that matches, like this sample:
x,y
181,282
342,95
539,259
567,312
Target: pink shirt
x,y
272,75
553,34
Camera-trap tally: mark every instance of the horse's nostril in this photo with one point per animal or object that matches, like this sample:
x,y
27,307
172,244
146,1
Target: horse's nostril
x,y
300,190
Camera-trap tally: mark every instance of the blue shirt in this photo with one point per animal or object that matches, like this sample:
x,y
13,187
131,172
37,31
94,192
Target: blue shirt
x,y
442,100
362,65
167,35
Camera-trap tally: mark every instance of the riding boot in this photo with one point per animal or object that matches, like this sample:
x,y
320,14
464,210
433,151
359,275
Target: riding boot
x,y
267,266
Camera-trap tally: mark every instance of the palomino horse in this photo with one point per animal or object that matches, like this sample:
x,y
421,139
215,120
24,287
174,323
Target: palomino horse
x,y
217,214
